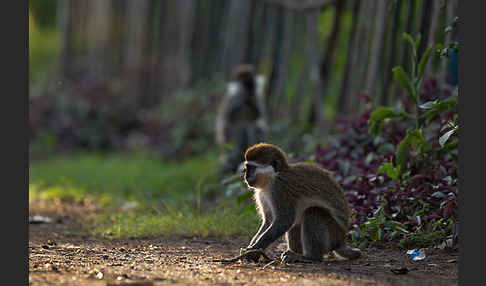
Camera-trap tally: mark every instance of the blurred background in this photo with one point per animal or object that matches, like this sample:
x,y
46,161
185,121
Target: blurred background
x,y
130,90
123,74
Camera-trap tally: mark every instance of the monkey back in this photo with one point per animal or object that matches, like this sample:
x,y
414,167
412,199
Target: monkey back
x,y
306,180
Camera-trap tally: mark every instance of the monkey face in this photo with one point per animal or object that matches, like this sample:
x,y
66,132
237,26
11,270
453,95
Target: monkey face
x,y
257,175
250,173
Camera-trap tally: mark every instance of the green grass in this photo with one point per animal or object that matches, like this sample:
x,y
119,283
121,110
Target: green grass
x,y
168,194
219,222
119,177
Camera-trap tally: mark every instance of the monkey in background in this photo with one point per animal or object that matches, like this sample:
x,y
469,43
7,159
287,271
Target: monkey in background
x,y
301,201
241,116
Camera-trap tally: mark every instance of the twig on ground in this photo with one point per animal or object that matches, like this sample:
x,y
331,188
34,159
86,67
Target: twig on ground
x,y
271,263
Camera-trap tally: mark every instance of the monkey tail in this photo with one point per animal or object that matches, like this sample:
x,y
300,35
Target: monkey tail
x,y
348,252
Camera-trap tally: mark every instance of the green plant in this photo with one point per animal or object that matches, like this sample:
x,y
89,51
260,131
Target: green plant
x,y
379,227
414,206
452,46
437,231
422,115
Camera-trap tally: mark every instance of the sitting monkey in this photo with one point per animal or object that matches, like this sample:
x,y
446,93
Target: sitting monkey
x,y
241,116
300,200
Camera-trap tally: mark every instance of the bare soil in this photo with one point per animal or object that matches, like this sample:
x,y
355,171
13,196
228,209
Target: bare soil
x,y
59,254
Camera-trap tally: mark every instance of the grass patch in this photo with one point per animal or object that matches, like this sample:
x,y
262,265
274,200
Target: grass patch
x,y
119,177
219,222
168,194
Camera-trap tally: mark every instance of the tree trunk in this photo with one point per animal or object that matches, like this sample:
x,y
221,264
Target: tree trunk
x,y
134,53
451,12
176,37
345,101
372,74
434,25
386,93
427,7
404,59
325,65
65,38
280,65
214,61
158,88
236,34
255,23
410,29
360,55
201,41
99,32
136,28
185,19
80,25
149,88
328,57
260,34
303,82
315,113
272,44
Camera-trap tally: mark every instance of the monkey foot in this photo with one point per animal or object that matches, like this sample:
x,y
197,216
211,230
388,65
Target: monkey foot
x,y
291,257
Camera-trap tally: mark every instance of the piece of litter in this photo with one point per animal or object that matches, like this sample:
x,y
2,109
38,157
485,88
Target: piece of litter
x,y
35,219
417,254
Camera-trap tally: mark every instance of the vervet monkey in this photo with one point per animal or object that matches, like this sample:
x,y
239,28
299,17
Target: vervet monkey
x,y
300,200
241,116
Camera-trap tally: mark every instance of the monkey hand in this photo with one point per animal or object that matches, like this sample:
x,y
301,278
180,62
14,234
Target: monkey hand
x,y
291,257
251,254
243,250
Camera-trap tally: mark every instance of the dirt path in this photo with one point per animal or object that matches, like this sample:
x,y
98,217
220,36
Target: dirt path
x,y
58,256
